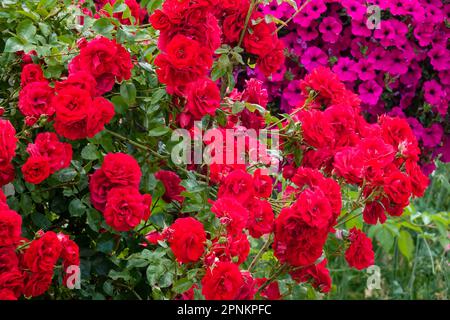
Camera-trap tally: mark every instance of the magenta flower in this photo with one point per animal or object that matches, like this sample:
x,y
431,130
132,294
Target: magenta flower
x,y
439,58
344,69
354,8
308,33
313,58
330,28
292,96
432,136
365,70
433,93
370,92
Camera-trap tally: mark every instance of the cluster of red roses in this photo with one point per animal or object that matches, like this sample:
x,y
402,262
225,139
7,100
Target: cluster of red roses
x,y
27,267
8,143
75,103
381,158
191,31
115,192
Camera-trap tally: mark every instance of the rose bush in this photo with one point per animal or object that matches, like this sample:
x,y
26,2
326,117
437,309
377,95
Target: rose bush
x,y
96,201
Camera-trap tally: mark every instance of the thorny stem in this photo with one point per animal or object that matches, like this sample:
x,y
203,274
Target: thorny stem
x,y
278,272
247,19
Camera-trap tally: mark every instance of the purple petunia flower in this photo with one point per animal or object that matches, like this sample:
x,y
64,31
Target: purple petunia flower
x,y
365,70
439,58
344,69
432,92
308,33
313,58
354,8
330,28
370,92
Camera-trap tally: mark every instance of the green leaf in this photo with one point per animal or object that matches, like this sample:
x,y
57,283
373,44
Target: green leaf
x,y
182,285
406,244
158,131
89,152
66,175
13,44
128,92
27,30
76,208
103,26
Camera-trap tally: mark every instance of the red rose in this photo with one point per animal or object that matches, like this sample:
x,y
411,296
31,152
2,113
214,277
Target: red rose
x,y
187,239
31,73
318,274
419,181
106,60
272,61
8,259
6,174
78,116
172,186
374,212
222,282
348,163
159,20
261,218
70,251
255,93
37,283
316,129
10,226
184,62
248,289
295,242
8,142
82,80
232,27
103,114
7,294
203,97
126,208
262,184
238,185
377,155
135,10
231,213
12,281
118,170
259,38
272,291
360,254
47,145
36,169
35,99
43,253
397,187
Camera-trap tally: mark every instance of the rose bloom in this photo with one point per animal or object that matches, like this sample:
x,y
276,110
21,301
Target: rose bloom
x,y
187,239
231,214
37,283
261,218
57,153
106,60
8,142
318,274
117,170
10,226
222,282
12,281
172,186
36,169
126,208
360,254
238,185
43,253
35,99
203,97
31,73
82,80
262,184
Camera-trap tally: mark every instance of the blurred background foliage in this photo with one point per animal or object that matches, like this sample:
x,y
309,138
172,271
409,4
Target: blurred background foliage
x,y
411,251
